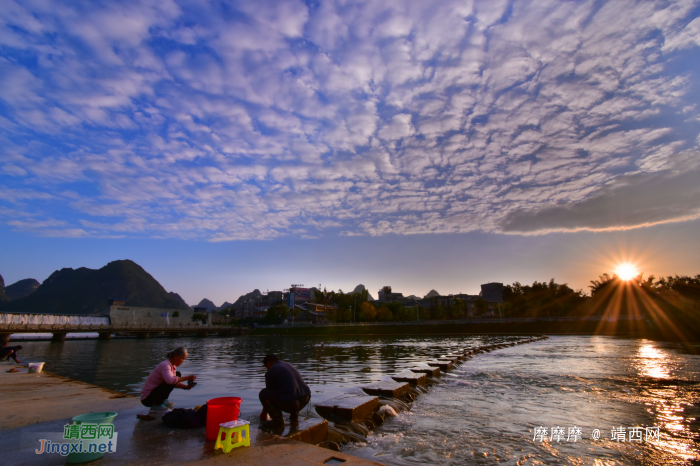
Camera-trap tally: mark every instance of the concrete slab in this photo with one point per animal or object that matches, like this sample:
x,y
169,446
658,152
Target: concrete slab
x,y
443,365
454,359
457,356
53,397
428,370
411,377
151,443
310,431
387,388
348,407
287,453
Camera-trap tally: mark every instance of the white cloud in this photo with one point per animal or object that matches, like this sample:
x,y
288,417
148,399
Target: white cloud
x,y
261,119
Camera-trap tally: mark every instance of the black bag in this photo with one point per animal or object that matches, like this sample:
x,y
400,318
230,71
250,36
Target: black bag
x,y
181,418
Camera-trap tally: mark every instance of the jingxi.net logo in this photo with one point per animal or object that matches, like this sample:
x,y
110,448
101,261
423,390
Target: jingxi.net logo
x,y
80,438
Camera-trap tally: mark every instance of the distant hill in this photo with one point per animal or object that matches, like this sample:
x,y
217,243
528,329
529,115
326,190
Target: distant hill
x,y
432,294
207,304
22,288
85,291
3,295
359,289
178,298
225,305
243,298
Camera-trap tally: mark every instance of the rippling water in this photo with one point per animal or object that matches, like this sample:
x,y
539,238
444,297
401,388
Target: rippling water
x,y
486,411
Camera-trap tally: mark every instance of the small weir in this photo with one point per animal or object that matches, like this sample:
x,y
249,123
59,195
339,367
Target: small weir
x,y
354,416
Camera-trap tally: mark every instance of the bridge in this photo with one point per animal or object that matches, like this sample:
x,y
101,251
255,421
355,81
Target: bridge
x,y
106,326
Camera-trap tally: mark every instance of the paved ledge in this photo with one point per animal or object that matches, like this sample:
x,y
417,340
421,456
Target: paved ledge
x,y
282,454
34,398
44,402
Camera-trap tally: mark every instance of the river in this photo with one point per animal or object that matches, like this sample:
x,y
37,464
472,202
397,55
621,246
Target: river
x,y
492,409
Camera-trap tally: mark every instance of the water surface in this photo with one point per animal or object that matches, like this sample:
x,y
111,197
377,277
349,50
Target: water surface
x,y
484,412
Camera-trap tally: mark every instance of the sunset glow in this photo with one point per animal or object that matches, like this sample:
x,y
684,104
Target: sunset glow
x,y
626,271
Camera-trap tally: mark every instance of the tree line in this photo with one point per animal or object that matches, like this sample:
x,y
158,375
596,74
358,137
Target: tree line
x,y
674,299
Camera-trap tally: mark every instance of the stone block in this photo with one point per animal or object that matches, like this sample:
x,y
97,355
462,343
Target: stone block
x,y
348,407
411,377
443,365
310,431
427,370
389,388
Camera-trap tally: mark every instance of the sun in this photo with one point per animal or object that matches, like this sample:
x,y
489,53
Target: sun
x,y
626,271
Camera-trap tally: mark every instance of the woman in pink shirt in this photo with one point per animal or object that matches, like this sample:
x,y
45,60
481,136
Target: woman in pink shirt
x,y
164,379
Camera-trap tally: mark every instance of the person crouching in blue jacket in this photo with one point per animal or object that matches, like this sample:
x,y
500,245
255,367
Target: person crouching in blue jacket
x,y
285,391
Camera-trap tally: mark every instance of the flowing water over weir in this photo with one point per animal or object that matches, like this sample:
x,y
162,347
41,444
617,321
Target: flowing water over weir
x,y
458,408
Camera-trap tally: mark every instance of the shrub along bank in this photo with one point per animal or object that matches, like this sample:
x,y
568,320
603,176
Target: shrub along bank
x,y
641,329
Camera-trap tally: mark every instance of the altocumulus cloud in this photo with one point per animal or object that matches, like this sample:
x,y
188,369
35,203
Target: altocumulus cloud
x,y
629,201
242,120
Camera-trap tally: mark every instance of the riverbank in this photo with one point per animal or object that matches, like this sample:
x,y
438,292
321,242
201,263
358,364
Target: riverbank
x,y
45,402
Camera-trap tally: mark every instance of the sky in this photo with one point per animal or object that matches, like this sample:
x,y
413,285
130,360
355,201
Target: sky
x,y
226,146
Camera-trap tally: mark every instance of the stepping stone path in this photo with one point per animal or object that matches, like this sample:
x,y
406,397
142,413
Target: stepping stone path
x,y
365,408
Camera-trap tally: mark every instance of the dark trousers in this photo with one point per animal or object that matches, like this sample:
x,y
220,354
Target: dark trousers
x,y
273,406
159,394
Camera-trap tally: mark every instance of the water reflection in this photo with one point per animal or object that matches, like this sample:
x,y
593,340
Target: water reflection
x,y
652,362
668,399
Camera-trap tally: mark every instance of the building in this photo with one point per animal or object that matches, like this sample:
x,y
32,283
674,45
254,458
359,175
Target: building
x,y
297,295
124,316
387,296
309,312
492,292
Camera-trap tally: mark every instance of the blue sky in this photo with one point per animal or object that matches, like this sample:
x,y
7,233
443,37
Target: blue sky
x,y
206,135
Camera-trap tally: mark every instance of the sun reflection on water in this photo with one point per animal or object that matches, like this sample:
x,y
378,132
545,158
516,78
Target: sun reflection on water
x,y
653,362
667,400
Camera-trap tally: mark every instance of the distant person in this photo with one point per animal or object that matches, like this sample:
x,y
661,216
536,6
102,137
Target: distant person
x,y
8,352
284,390
164,379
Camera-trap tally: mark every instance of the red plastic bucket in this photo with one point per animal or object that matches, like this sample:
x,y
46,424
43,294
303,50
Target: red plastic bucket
x,y
220,410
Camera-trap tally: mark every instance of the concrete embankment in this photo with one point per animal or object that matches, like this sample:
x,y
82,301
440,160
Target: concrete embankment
x,y
44,402
35,398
